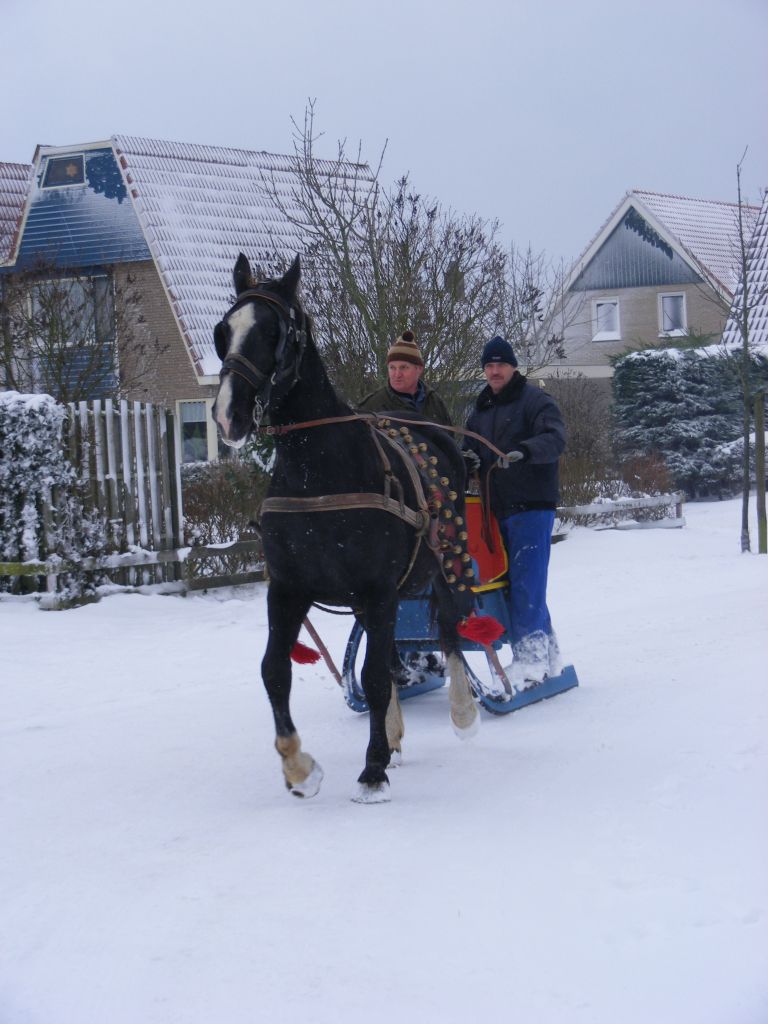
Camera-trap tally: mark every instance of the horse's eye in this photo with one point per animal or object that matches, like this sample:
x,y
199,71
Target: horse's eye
x,y
220,340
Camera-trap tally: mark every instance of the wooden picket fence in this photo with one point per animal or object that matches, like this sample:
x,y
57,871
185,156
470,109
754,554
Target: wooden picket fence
x,y
125,456
125,453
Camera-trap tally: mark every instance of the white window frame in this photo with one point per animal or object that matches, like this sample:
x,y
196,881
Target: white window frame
x,y
606,335
211,435
678,332
63,184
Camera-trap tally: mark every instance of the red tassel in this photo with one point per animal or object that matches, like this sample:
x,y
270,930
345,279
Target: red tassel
x,y
482,629
304,655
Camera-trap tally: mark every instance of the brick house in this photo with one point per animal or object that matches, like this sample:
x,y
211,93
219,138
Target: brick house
x,y
660,267
165,219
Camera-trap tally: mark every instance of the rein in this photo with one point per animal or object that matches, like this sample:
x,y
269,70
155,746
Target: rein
x,y
368,417
312,504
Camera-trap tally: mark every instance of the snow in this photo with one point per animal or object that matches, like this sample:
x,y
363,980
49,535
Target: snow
x,y
596,858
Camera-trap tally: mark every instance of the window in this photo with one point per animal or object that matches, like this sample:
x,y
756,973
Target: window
x,y
605,320
673,321
68,337
194,431
65,170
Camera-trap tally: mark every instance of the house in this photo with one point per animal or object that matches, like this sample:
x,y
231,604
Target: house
x,y
757,293
160,221
661,266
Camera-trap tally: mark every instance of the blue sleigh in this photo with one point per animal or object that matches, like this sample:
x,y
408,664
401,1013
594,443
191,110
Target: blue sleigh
x,y
421,666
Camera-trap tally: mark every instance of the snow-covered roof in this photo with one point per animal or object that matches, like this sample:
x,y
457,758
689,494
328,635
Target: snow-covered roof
x,y
757,262
14,184
706,228
703,231
199,206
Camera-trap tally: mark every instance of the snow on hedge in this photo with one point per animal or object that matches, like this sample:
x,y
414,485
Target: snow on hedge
x,y
35,475
686,405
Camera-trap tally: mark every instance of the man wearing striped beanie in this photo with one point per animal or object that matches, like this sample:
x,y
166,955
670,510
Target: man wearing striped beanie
x,y
406,390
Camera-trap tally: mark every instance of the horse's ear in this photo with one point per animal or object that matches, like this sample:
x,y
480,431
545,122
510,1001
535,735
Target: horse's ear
x,y
242,274
290,279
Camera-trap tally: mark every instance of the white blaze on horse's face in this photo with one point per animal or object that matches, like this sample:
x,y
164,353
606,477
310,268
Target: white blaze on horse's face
x,y
240,323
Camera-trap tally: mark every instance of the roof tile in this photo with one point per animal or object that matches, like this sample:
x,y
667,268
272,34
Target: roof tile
x,y
199,206
14,185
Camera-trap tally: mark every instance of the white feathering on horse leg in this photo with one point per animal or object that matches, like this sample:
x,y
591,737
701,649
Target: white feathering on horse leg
x,y
465,718
301,771
311,785
395,729
378,794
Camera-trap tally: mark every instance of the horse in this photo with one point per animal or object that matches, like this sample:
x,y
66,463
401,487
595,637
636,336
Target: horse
x,y
345,521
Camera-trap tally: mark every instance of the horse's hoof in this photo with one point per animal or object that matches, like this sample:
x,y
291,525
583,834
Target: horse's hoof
x,y
311,785
376,794
395,758
466,725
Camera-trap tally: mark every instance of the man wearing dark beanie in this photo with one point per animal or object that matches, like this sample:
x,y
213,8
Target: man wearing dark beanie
x,y
523,421
406,391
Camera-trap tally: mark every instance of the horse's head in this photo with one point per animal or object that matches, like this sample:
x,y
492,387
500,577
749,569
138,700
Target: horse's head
x,y
260,343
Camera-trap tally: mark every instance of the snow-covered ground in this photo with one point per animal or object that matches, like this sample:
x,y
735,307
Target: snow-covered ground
x,y
601,857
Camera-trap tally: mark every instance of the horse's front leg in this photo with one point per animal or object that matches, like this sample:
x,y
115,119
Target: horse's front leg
x,y
376,678
394,721
286,611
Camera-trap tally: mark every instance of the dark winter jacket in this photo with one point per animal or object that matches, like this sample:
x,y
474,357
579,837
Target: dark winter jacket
x,y
523,417
426,402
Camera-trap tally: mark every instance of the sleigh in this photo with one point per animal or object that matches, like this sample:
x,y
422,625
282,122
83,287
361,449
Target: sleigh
x,y
421,667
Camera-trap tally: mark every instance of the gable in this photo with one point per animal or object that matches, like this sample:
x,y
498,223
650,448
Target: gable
x,y
79,213
634,256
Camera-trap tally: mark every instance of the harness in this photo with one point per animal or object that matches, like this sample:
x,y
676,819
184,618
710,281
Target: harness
x,y
290,334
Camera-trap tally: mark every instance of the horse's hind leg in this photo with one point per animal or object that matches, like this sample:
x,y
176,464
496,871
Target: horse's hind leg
x,y
465,718
395,728
302,773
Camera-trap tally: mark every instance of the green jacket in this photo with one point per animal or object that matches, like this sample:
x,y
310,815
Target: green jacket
x,y
386,400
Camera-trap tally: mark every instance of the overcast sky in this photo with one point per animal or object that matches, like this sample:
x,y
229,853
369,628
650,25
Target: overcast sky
x,y
541,113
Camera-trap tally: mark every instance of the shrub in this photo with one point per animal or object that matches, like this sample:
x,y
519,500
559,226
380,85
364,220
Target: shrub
x,y
221,501
685,407
42,514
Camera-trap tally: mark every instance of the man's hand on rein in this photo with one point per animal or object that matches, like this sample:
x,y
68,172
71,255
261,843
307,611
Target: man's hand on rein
x,y
505,461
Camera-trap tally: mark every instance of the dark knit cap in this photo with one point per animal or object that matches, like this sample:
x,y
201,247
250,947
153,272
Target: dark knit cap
x,y
498,350
405,350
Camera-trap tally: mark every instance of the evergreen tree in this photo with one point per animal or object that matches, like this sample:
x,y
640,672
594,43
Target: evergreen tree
x,y
685,406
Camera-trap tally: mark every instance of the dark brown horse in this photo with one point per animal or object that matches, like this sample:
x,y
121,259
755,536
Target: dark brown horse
x,y
329,534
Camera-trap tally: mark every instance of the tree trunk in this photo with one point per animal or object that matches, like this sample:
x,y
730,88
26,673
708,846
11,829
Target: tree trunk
x,y
762,529
745,471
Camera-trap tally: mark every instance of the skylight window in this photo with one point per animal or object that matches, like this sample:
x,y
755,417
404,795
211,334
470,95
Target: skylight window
x,y
64,170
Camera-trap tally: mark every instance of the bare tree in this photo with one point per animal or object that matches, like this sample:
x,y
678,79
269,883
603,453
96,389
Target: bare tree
x,y
536,308
73,335
382,259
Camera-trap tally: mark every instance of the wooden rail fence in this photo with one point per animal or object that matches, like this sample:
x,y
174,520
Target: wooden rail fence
x,y
606,510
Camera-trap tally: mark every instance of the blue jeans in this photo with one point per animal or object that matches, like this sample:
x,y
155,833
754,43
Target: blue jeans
x,y
528,539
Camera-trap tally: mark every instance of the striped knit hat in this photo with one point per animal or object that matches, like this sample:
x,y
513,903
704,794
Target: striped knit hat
x,y
405,350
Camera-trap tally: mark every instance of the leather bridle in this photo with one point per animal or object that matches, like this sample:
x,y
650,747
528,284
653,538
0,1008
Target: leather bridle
x,y
292,342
